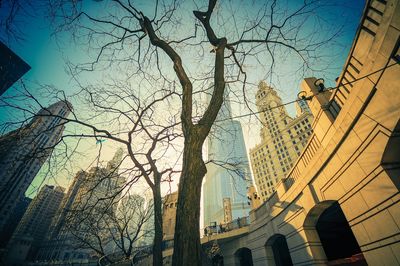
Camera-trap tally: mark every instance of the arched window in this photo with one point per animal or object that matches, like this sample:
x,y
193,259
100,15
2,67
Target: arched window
x,y
277,251
243,257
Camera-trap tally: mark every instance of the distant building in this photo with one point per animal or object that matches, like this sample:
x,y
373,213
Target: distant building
x,y
12,68
148,228
169,215
228,173
14,220
23,152
90,194
34,224
137,214
66,204
282,139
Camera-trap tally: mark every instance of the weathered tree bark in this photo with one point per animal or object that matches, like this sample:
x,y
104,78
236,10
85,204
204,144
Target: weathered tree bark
x,y
187,247
158,228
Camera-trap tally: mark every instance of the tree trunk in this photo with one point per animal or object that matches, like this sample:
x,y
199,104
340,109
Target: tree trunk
x,y
187,247
158,229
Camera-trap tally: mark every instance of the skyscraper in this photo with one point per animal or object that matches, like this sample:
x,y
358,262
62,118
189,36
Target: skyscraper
x,y
282,139
12,68
66,204
34,224
89,197
15,218
228,173
23,152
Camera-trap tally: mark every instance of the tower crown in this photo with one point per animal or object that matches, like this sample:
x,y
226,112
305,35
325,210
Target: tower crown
x,y
263,89
266,95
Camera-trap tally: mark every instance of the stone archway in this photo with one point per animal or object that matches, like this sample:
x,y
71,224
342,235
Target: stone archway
x,y
330,237
278,253
391,156
243,257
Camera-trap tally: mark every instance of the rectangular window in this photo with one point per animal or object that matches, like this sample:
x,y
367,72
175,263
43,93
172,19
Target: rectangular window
x,y
334,108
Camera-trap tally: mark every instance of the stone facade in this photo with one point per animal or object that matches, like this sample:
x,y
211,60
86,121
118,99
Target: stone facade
x,y
169,213
349,171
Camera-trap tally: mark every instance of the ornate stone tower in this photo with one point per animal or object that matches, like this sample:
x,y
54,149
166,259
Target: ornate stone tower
x,y
282,139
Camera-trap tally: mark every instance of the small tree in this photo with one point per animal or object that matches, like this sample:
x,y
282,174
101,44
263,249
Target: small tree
x,y
112,232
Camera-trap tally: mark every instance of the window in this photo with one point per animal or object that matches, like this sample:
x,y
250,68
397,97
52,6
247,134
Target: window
x,y
334,108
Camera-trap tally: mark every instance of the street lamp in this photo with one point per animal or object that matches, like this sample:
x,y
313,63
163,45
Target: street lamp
x,y
302,95
320,84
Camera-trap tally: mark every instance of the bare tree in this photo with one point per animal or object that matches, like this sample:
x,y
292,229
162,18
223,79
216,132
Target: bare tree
x,y
113,232
13,15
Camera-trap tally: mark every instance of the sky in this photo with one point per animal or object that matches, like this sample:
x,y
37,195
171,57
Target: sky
x,y
47,53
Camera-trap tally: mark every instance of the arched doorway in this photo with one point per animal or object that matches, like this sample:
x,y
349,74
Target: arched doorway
x,y
278,251
327,226
217,260
243,257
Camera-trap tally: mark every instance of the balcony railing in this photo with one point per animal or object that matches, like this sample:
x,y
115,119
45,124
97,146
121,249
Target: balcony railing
x,y
222,228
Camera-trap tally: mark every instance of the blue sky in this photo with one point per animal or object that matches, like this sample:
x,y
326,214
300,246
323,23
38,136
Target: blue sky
x,y
46,54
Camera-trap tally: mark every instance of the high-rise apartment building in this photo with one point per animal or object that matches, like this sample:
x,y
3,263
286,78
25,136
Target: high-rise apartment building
x,y
228,173
90,195
282,139
13,221
23,152
66,204
34,225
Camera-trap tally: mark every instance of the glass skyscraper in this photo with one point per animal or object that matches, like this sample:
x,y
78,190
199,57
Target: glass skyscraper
x,y
228,174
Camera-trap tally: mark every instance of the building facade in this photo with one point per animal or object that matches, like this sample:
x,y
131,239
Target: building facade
x,y
282,139
34,225
24,151
341,205
15,218
82,216
169,215
12,68
228,173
